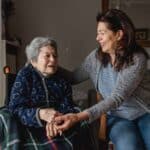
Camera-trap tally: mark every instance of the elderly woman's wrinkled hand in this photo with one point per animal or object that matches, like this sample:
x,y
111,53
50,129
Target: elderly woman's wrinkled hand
x,y
48,114
52,131
59,124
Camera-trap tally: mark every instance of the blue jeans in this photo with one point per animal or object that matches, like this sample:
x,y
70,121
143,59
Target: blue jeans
x,y
129,135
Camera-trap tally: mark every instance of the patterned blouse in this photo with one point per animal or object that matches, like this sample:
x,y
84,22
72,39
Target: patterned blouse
x,y
32,91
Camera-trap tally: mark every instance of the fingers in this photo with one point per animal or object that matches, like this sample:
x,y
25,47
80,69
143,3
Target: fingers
x,y
64,126
49,131
55,132
52,131
60,119
66,121
60,124
61,128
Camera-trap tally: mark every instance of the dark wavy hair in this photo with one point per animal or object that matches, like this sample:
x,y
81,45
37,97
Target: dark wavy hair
x,y
117,20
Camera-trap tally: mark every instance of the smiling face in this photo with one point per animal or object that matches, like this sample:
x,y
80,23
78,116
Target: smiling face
x,y
47,61
107,38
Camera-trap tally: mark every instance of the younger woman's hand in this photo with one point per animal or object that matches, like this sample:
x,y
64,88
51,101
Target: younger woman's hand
x,y
66,121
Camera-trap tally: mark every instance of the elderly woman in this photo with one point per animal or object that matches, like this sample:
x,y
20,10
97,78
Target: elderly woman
x,y
38,95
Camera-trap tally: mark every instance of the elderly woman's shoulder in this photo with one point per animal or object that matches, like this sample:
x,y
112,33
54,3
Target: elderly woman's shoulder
x,y
26,70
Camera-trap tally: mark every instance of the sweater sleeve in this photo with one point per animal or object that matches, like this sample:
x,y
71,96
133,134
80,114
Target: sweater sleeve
x,y
128,80
20,101
82,73
76,76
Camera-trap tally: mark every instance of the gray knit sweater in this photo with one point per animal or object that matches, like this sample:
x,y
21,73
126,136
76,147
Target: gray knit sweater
x,y
132,86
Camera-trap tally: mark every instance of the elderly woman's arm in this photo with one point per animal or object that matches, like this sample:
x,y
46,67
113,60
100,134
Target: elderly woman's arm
x,y
21,104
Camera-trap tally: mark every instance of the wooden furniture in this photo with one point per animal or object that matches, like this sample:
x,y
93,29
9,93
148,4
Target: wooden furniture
x,y
102,133
102,129
11,55
144,43
10,78
99,126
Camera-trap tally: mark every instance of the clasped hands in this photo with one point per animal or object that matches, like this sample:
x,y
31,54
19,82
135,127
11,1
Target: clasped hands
x,y
56,122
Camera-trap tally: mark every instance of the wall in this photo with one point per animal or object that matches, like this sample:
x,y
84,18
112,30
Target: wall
x,y
2,76
72,23
2,64
139,12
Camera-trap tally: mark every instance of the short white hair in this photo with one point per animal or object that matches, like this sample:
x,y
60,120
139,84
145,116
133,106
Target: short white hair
x,y
32,50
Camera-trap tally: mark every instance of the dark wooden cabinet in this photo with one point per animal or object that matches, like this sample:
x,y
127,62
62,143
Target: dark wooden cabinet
x,y
144,43
11,55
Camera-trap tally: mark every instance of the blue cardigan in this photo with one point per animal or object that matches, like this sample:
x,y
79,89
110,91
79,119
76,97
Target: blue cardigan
x,y
32,91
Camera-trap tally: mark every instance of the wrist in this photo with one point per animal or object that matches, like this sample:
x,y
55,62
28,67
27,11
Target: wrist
x,y
41,113
82,116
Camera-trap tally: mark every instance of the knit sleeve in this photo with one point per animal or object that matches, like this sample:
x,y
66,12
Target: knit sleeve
x,y
81,73
127,82
87,67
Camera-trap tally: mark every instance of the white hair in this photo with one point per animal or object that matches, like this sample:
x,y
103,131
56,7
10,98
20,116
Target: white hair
x,y
33,49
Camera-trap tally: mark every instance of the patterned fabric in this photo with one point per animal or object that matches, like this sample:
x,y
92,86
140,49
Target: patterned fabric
x,y
15,136
9,135
32,91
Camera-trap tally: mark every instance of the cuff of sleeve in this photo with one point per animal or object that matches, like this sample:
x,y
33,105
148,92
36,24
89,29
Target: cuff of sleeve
x,y
38,119
90,119
77,109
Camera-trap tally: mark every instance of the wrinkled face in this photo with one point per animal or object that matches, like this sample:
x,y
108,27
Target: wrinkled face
x,y
47,61
106,38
